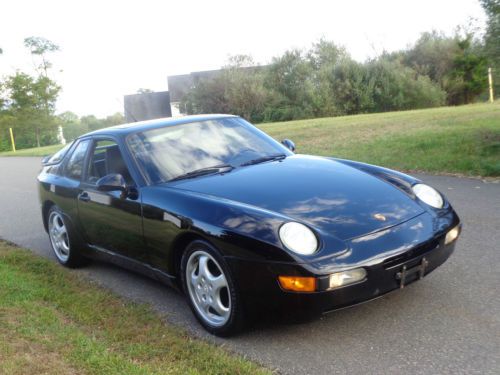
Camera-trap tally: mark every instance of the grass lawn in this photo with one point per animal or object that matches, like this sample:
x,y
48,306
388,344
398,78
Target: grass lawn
x,y
463,139
37,151
54,322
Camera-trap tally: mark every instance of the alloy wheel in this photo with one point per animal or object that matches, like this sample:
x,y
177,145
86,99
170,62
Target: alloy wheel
x,y
59,238
208,288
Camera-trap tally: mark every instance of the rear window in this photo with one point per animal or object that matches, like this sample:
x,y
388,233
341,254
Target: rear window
x,y
59,155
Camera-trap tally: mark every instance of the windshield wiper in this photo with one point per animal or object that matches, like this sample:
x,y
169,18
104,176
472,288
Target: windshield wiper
x,y
222,168
264,159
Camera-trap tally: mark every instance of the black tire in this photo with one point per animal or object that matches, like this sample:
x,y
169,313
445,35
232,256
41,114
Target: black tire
x,y
68,247
235,320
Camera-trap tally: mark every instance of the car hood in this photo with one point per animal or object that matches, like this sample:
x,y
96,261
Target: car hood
x,y
328,195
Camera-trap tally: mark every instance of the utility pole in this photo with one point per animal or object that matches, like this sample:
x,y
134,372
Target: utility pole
x,y
490,81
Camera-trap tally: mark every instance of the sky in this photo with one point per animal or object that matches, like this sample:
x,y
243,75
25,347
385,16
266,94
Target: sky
x,y
112,48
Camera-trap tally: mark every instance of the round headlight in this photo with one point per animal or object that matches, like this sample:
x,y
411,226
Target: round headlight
x,y
428,195
298,238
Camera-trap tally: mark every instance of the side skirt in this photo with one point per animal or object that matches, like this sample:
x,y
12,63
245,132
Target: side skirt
x,y
98,253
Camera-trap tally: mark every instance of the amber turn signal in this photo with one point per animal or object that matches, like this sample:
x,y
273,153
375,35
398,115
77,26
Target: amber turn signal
x,y
298,283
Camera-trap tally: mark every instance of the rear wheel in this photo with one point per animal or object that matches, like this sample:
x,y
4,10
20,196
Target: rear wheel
x,y
210,289
63,240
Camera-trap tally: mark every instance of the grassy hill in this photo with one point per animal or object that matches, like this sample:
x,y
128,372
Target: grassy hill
x,y
463,139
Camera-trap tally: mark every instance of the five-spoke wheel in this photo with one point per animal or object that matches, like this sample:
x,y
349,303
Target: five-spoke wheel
x,y
210,289
59,236
64,241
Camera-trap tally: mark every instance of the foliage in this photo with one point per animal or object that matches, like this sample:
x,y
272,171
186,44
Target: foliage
x,y
41,47
325,81
29,109
456,63
28,102
237,89
73,126
468,76
432,55
397,87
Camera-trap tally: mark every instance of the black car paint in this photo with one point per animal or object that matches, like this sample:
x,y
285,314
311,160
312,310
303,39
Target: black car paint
x,y
240,213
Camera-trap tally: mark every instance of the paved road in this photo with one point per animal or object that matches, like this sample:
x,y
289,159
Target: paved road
x,y
449,323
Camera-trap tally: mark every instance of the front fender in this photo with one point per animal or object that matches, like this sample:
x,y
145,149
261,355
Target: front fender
x,y
238,230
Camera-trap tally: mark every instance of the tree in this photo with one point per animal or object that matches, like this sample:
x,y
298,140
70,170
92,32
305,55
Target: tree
x,y
238,88
325,53
351,88
468,76
456,63
74,127
244,90
432,55
41,47
47,90
289,80
398,87
31,102
323,57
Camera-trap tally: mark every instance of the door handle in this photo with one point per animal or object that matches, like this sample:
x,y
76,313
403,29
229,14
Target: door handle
x,y
84,197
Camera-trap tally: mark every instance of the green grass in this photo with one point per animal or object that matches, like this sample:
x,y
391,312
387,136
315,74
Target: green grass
x,y
54,322
37,151
464,140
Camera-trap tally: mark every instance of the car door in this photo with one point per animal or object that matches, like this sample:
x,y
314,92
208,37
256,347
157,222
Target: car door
x,y
109,220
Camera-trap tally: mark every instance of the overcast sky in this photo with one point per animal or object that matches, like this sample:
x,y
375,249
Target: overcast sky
x,y
112,48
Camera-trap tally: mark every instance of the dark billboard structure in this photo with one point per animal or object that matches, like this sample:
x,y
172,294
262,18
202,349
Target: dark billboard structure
x,y
147,106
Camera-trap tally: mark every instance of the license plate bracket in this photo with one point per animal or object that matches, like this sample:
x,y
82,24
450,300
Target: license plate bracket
x,y
405,272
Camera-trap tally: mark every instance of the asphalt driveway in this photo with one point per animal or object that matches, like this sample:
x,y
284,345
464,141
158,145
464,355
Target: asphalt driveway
x,y
448,322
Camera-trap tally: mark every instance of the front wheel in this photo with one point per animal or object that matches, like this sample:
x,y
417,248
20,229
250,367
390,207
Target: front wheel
x,y
210,289
62,239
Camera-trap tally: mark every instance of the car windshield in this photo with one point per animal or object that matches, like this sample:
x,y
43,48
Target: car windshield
x,y
173,151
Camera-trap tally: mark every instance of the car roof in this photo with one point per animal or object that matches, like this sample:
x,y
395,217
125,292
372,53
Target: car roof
x,y
134,127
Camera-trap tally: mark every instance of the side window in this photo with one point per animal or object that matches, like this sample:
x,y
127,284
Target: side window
x,y
74,167
106,158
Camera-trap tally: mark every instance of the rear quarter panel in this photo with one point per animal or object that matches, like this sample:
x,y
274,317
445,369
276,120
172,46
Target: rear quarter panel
x,y
58,190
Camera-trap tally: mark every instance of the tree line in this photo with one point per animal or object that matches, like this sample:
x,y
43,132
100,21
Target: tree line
x,y
325,80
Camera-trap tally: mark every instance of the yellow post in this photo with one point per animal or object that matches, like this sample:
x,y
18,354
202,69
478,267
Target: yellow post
x,y
490,81
12,140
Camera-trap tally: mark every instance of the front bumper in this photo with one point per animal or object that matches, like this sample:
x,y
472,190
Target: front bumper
x,y
392,270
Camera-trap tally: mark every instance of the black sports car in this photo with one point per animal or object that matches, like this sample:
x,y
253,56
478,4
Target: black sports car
x,y
212,205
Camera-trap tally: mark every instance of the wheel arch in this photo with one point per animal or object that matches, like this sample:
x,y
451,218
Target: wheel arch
x,y
47,205
179,246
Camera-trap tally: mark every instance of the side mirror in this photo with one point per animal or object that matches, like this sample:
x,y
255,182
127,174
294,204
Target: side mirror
x,y
112,182
288,144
